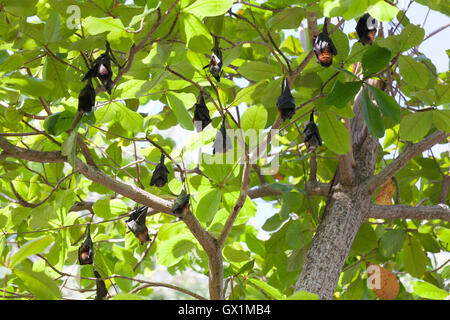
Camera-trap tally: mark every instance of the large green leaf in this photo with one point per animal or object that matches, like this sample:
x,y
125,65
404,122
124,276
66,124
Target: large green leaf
x,y
171,251
108,208
257,71
178,103
209,8
375,59
383,11
388,106
413,72
334,134
428,291
372,117
415,126
392,241
39,284
414,259
410,37
254,117
198,38
32,247
342,93
208,205
365,240
51,28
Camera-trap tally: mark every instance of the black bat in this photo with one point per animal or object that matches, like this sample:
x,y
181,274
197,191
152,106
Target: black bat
x,y
324,48
222,142
136,224
160,175
181,205
201,112
312,136
86,250
215,64
366,28
86,98
102,70
101,291
285,102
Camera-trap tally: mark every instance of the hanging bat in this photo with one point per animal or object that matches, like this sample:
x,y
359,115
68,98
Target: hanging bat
x,y
181,205
101,291
136,224
201,112
222,142
323,47
366,28
102,70
285,102
312,137
86,250
86,98
160,175
215,64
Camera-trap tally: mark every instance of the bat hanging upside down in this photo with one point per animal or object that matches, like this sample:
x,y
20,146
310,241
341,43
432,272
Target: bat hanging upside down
x,y
324,48
366,28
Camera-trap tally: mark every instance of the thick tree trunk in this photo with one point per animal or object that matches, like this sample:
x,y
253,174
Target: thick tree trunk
x,y
346,211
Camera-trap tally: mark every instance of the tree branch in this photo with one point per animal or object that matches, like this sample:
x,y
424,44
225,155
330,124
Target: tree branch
x,y
399,211
411,151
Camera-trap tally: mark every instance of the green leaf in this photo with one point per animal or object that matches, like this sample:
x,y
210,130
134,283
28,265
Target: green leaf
x,y
30,86
39,284
128,296
69,147
273,223
95,25
254,244
235,255
171,251
257,71
129,119
109,208
443,234
178,103
428,291
415,126
209,8
51,28
303,295
372,117
383,11
208,205
342,93
375,59
365,240
30,248
198,38
410,37
388,106
293,46
441,119
245,95
414,259
392,241
268,289
12,63
254,117
413,72
59,122
288,18
333,133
